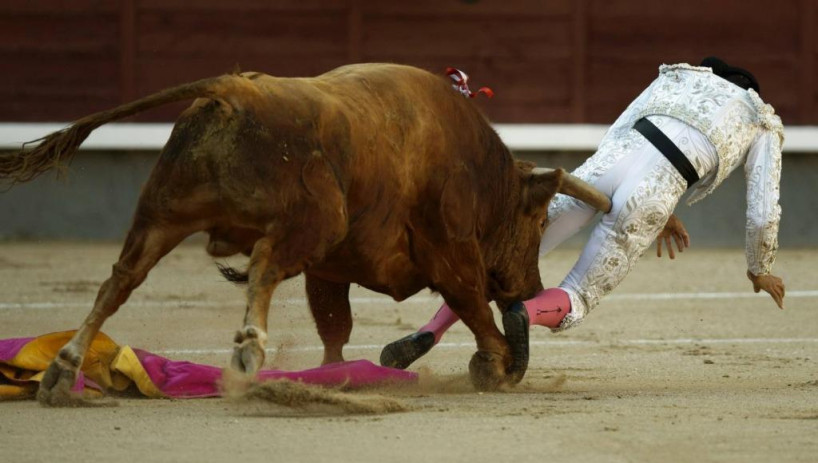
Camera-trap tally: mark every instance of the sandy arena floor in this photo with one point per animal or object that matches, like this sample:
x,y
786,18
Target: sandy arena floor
x,y
683,363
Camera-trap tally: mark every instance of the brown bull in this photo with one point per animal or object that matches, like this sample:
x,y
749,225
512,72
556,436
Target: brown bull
x,y
375,174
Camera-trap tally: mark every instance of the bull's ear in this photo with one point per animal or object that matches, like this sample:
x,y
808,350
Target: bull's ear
x,y
524,166
540,188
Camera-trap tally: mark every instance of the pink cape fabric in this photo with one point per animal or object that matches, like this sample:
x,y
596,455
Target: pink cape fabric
x,y
173,378
185,379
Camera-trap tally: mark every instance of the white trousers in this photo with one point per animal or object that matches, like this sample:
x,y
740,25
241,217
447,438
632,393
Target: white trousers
x,y
644,189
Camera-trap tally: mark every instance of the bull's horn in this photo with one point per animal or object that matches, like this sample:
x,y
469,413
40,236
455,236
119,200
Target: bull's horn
x,y
580,189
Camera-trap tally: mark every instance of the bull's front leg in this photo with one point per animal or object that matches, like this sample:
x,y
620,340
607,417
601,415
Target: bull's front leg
x,y
458,272
460,278
489,364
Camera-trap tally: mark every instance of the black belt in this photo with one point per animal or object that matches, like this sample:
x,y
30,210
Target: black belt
x,y
668,149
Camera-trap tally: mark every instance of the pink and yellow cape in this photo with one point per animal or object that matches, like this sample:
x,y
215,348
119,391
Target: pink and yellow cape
x,y
110,367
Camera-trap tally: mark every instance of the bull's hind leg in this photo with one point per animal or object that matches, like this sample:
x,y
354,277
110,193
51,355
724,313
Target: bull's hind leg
x,y
329,303
315,220
264,275
271,262
144,246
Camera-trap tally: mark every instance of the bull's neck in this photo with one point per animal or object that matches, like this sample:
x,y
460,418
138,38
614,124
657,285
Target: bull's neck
x,y
500,207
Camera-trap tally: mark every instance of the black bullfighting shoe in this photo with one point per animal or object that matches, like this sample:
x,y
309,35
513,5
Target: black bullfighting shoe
x,y
515,326
401,353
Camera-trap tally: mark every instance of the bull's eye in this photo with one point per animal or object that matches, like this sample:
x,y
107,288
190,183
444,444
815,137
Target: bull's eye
x,y
543,222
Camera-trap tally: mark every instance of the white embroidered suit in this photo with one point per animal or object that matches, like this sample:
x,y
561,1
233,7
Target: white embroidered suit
x,y
718,126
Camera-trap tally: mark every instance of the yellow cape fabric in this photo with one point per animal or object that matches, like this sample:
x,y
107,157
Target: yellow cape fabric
x,y
106,363
127,365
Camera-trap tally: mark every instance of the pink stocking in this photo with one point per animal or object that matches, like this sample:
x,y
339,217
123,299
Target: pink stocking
x,y
548,307
441,322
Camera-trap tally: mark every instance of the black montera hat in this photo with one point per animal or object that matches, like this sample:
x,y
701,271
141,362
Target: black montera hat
x,y
741,77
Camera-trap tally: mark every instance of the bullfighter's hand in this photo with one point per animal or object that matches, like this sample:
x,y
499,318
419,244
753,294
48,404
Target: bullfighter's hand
x,y
676,229
771,284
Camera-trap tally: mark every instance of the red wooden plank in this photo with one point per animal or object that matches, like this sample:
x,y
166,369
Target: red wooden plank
x,y
20,8
73,54
57,69
813,118
580,59
807,60
472,37
355,31
781,36
687,28
261,33
458,9
87,34
127,50
186,6
702,10
58,89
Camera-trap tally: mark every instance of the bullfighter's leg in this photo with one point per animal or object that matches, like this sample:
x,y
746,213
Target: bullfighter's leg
x,y
648,191
547,308
329,303
143,248
404,351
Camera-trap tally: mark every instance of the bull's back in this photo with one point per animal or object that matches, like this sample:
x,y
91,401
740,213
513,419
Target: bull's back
x,y
392,135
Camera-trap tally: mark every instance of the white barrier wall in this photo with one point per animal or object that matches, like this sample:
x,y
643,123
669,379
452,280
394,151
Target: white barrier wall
x,y
99,194
518,137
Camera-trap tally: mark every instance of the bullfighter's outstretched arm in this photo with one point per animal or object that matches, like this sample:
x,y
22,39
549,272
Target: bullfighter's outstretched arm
x,y
763,173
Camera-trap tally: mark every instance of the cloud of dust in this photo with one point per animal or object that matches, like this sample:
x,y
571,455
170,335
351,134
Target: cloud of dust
x,y
430,382
549,384
308,398
282,357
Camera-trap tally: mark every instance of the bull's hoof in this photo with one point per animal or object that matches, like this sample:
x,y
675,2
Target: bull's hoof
x,y
55,387
401,353
515,326
58,380
248,357
487,371
248,354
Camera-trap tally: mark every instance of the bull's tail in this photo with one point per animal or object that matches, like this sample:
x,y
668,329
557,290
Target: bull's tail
x,y
57,149
232,275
